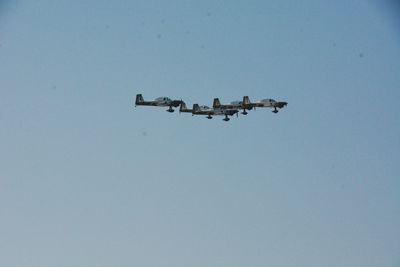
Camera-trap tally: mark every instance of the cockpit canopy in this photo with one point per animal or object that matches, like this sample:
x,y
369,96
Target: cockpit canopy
x,y
268,100
163,98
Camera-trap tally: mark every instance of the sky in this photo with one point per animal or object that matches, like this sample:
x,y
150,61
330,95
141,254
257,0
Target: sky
x,y
87,179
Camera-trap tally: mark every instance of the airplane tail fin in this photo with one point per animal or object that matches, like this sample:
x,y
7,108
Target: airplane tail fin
x,y
139,99
196,108
246,100
216,103
182,107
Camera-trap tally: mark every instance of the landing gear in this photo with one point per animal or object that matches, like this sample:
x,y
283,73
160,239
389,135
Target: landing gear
x,y
209,117
275,110
226,118
244,112
170,109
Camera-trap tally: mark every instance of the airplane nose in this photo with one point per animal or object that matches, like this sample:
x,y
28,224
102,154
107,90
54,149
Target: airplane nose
x,y
176,103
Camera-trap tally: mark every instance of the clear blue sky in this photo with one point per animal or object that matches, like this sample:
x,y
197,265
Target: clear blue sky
x,y
87,179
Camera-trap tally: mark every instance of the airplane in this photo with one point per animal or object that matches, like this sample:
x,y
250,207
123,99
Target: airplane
x,y
205,110
247,105
265,103
230,105
160,101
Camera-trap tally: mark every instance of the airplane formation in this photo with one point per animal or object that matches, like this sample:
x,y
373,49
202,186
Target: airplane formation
x,y
217,109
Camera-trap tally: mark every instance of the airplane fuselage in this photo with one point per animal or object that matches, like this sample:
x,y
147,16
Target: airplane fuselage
x,y
164,102
159,102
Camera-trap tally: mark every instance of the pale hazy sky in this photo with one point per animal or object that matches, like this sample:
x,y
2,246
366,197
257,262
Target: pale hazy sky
x,y
87,179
